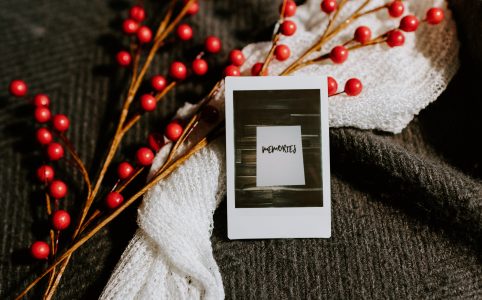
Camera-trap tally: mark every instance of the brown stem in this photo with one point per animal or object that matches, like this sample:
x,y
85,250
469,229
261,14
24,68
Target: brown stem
x,y
329,33
66,255
52,242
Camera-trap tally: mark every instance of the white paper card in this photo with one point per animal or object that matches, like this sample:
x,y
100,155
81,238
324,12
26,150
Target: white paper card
x,y
279,156
273,190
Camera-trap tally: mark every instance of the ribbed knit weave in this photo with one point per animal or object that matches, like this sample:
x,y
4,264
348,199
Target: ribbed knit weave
x,y
406,208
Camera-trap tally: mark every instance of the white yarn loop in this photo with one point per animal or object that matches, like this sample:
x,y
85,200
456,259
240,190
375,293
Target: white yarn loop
x,y
170,256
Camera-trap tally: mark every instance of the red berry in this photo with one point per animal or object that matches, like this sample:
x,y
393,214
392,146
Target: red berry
x,y
114,200
58,189
45,173
178,70
123,58
288,28
148,102
137,13
328,6
60,220
256,69
395,38
158,83
130,26
125,170
282,52
199,66
435,15
41,100
18,88
193,7
212,44
42,114
184,32
173,131
339,54
409,23
363,34
55,151
144,156
236,57
290,8
40,250
61,122
232,71
144,35
396,8
44,136
332,86
353,87
155,140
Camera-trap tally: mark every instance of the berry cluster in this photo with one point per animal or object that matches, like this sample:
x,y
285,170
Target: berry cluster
x,y
49,126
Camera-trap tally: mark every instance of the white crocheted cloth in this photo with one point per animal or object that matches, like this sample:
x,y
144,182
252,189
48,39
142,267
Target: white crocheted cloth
x,y
170,256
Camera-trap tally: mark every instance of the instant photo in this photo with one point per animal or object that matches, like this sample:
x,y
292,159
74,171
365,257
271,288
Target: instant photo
x,y
277,157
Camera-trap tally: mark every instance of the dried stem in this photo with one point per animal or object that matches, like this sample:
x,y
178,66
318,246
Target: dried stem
x,y
275,40
66,255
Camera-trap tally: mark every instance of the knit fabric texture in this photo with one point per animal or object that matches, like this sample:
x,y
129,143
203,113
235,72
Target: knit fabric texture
x,y
399,81
407,208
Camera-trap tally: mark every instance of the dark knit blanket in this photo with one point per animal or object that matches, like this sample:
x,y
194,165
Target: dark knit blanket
x,y
407,208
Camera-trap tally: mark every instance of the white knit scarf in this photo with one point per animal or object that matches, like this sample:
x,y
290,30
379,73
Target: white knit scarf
x,y
170,256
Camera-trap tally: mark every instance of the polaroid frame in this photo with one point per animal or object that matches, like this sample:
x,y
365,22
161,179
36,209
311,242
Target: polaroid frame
x,y
278,222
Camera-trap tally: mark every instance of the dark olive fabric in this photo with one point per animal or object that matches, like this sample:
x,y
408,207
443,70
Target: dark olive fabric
x,y
407,208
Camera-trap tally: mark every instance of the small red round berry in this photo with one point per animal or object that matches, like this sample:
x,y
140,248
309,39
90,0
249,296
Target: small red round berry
x,y
60,220
144,156
137,13
61,122
353,87
158,83
155,141
363,34
212,44
288,28
199,66
396,8
290,8
40,250
435,15
18,88
130,26
236,57
193,7
332,86
123,58
55,151
339,54
256,69
184,32
282,52
148,102
232,71
144,35
42,114
113,200
329,6
395,38
41,100
409,23
173,131
44,136
125,170
58,189
178,70
45,173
